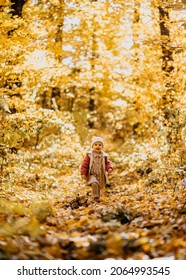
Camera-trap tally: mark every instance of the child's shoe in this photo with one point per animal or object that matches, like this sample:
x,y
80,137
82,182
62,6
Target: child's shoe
x,y
96,199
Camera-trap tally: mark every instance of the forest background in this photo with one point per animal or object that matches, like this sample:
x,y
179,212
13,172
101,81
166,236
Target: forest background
x,y
72,69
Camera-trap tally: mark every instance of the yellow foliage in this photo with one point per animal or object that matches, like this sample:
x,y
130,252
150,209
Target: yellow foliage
x,y
41,209
115,244
65,64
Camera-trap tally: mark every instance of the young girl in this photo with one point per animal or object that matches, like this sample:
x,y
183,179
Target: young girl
x,y
96,167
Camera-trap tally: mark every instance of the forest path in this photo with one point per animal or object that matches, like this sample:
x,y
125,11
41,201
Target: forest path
x,y
47,214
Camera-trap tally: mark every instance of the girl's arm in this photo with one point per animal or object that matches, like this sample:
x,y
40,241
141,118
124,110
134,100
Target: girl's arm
x,y
85,165
108,165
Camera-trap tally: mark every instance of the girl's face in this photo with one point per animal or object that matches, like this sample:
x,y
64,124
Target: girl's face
x,y
97,147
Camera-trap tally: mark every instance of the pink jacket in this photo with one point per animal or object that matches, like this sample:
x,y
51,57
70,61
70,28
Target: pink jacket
x,y
87,164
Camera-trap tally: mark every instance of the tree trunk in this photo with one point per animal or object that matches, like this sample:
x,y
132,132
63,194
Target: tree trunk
x,y
92,90
169,102
91,107
135,27
167,52
60,23
170,112
17,6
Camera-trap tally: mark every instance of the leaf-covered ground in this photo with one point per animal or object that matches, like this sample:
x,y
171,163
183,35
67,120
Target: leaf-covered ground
x,y
46,211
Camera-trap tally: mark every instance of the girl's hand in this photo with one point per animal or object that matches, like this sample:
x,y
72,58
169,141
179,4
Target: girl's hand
x,y
109,170
83,177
